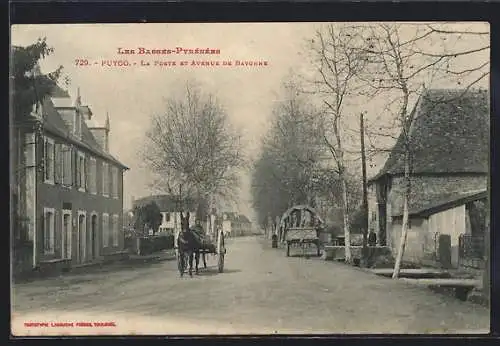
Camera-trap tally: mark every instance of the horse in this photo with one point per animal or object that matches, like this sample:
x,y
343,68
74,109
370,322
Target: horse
x,y
189,246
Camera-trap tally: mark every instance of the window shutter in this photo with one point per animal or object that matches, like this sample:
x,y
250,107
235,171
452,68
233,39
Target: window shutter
x,y
74,158
44,160
86,165
53,244
54,170
58,165
67,165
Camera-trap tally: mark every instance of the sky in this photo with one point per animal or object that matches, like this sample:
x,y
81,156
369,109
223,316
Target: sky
x,y
132,94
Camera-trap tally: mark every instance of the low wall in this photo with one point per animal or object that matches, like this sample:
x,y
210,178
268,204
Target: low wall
x,y
149,245
332,252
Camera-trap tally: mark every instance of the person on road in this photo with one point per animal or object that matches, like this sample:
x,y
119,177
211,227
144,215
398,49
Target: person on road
x,y
372,238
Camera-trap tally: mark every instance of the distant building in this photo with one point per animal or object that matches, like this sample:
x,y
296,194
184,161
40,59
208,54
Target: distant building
x,y
170,208
69,197
450,155
243,226
234,224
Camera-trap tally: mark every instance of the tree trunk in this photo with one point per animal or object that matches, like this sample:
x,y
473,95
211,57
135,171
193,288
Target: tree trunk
x,y
404,230
347,233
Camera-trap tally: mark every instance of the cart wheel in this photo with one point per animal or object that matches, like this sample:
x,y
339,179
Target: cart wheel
x,y
287,249
221,263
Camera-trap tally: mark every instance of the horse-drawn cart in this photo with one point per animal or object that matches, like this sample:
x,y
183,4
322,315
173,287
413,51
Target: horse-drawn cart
x,y
216,248
298,231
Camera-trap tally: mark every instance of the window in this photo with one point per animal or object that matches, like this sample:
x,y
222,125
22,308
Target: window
x,y
105,230
167,217
115,182
49,160
66,234
105,179
115,230
81,172
66,165
93,176
48,230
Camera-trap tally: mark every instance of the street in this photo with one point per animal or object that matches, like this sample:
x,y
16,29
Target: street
x,y
261,291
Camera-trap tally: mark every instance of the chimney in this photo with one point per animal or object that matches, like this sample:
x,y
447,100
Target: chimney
x,y
101,133
78,100
67,109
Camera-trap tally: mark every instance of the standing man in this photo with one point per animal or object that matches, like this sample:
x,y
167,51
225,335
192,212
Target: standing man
x,y
372,238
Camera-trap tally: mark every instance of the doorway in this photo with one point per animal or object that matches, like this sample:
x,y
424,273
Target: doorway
x,y
93,237
82,236
67,234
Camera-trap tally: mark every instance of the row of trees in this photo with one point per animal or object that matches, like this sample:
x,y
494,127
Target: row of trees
x,y
291,168
389,64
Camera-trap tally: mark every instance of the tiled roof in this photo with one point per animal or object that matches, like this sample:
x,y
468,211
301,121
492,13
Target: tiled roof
x,y
435,204
56,125
450,134
58,92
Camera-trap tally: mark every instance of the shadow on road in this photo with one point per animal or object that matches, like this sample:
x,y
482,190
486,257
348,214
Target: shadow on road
x,y
304,256
80,273
213,271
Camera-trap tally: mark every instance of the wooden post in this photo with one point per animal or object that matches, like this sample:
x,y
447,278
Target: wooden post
x,y
365,189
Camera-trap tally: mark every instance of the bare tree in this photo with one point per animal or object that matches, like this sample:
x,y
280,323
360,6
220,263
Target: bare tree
x,y
404,67
339,63
193,149
290,157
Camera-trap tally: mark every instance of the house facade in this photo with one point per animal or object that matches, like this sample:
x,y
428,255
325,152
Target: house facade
x,y
170,209
449,142
242,226
234,224
69,187
459,216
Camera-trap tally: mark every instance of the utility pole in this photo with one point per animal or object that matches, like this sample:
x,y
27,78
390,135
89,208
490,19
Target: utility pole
x,y
365,188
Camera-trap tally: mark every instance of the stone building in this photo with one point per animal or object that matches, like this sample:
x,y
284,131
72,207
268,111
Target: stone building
x,y
449,142
69,187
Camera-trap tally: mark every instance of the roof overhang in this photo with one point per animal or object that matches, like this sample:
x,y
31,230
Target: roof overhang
x,y
447,204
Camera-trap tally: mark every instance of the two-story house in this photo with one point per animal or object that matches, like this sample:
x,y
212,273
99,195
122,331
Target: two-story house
x,y
71,188
449,145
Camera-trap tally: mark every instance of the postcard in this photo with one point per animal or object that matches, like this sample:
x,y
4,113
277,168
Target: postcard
x,y
250,178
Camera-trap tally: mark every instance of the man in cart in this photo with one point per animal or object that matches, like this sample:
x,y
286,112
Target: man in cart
x,y
204,239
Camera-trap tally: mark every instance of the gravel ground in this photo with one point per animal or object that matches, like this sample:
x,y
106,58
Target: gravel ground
x,y
260,292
